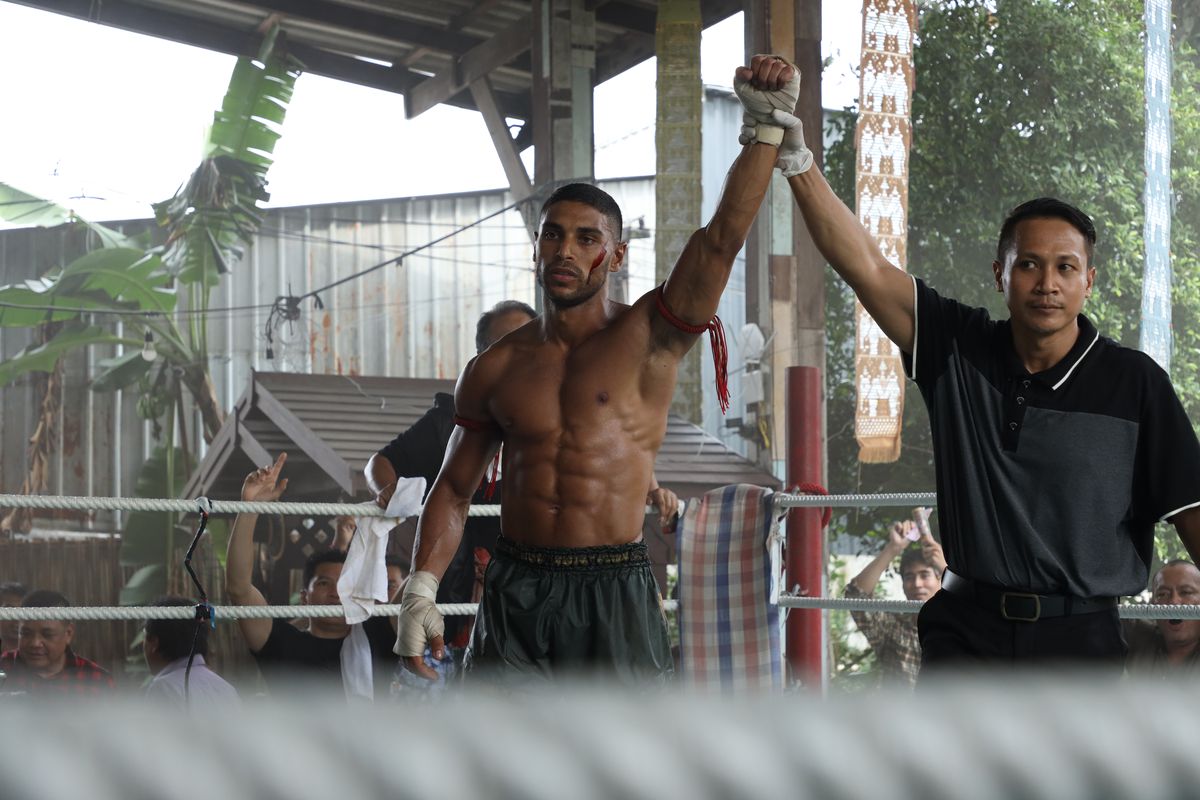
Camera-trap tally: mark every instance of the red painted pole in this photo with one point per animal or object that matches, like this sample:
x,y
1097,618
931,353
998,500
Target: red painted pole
x,y
805,538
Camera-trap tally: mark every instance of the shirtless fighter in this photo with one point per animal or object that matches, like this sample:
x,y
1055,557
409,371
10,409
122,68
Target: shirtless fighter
x,y
579,398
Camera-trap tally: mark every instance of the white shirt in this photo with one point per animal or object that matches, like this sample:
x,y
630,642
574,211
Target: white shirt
x,y
205,687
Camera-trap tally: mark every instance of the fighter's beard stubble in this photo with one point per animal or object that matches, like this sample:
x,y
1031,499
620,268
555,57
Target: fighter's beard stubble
x,y
584,294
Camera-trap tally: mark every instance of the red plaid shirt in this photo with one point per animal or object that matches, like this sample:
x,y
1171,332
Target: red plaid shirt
x,y
79,676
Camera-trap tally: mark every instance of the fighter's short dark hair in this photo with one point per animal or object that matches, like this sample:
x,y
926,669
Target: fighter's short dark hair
x,y
589,195
319,557
485,320
1041,208
45,598
175,636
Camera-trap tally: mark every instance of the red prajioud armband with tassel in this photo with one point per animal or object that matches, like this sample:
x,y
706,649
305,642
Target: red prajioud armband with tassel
x,y
716,337
484,426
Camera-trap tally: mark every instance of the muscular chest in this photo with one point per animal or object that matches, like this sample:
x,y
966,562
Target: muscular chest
x,y
550,391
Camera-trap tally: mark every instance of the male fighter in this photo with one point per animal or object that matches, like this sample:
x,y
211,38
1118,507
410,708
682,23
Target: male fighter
x,y
580,402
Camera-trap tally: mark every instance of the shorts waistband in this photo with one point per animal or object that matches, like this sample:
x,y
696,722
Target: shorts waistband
x,y
605,556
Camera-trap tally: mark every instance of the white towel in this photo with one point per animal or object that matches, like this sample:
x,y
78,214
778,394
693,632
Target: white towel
x,y
363,582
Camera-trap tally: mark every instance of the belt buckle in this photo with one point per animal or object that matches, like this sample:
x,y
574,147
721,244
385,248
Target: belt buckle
x,y
1037,606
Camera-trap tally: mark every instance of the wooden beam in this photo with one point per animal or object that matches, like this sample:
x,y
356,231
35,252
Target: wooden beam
x,y
510,157
473,65
372,23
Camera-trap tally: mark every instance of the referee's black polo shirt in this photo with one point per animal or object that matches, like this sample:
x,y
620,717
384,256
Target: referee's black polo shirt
x,y
1049,482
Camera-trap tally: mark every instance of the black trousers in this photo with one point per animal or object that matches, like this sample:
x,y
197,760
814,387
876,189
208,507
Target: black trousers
x,y
958,634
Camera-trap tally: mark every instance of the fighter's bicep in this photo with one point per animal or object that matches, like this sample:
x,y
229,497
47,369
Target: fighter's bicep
x,y
467,457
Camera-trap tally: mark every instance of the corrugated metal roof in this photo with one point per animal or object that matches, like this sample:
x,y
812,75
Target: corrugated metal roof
x,y
331,424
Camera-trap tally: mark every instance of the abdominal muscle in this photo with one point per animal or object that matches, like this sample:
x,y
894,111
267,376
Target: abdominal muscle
x,y
558,496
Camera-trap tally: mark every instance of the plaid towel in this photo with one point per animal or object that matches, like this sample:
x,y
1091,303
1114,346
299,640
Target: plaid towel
x,y
728,622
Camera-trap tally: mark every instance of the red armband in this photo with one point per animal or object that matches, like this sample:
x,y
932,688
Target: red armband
x,y
716,337
486,426
475,424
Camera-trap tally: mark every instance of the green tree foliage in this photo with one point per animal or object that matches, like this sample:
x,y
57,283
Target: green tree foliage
x,y
1017,99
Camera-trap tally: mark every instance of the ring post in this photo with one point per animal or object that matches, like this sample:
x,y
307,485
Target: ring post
x,y
805,538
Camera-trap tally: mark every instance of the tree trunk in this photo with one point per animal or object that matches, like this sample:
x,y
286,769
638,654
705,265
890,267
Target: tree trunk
x,y
200,385
41,443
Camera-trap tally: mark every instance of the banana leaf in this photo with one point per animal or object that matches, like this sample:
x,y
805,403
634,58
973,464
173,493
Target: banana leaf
x,y
22,208
120,372
144,538
144,586
43,358
213,218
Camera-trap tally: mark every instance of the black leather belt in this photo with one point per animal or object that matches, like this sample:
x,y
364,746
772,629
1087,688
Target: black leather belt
x,y
1022,606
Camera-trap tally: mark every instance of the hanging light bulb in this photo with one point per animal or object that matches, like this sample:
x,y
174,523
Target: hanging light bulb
x,y
148,351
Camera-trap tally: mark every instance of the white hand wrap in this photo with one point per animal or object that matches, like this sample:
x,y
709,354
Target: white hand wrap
x,y
760,105
794,155
419,620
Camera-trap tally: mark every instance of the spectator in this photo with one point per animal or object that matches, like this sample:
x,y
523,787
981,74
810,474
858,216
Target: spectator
x,y
11,594
397,571
167,646
1168,646
44,663
418,451
282,650
893,637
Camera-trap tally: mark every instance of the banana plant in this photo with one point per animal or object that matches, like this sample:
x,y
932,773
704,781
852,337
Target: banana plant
x,y
162,293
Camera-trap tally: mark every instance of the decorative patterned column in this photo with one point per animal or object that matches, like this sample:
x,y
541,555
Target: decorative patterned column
x,y
1156,279
883,138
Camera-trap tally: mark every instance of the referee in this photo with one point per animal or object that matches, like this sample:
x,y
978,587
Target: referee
x,y
1056,449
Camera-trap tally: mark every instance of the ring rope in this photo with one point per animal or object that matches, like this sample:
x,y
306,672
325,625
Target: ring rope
x,y
218,506
75,503
1125,610
225,612
809,490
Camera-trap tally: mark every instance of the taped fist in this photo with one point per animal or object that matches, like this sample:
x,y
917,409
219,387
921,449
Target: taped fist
x,y
769,84
419,624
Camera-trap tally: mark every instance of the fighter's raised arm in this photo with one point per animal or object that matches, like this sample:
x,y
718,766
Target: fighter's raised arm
x,y
472,447
883,289
693,288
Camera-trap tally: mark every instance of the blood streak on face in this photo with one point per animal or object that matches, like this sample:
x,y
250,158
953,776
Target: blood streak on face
x,y
599,260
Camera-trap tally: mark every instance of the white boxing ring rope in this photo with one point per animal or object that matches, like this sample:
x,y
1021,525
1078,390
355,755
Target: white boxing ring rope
x,y
992,738
1126,610
782,500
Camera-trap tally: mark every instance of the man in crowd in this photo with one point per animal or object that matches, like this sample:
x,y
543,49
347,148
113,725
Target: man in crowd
x,y
167,645
44,663
1056,451
11,594
418,452
579,399
1168,646
284,652
893,637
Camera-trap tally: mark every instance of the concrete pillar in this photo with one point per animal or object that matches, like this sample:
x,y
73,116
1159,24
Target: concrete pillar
x,y
564,71
677,188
